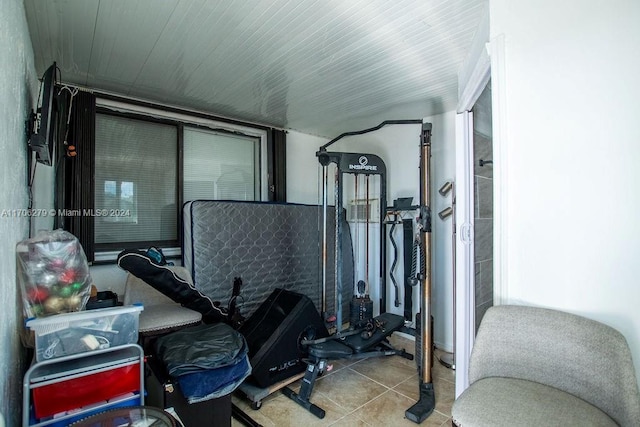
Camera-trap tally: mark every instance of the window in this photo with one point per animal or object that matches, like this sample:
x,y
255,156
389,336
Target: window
x,y
364,210
146,168
136,170
120,198
221,166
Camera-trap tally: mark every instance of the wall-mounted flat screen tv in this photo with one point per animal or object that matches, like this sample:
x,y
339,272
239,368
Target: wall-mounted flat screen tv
x,y
43,134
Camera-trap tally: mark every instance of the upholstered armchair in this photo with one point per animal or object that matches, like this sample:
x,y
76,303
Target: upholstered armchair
x,y
540,367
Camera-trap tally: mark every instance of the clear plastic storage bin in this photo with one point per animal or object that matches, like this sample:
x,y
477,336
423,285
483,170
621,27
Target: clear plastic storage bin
x,y
84,331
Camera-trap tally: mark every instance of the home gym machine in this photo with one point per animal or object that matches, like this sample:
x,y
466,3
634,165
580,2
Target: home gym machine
x,y
358,165
367,336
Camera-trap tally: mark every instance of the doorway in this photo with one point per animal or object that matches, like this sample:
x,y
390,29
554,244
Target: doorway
x,y
483,204
474,273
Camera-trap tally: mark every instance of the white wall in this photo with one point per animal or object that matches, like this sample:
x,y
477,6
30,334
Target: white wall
x,y
398,147
443,170
571,170
303,172
109,277
18,93
43,190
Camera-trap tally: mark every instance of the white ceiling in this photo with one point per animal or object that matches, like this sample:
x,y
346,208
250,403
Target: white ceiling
x,y
321,67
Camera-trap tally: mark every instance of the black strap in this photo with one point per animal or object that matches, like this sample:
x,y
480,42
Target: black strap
x,y
234,317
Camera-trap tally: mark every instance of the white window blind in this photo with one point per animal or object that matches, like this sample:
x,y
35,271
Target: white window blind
x,y
135,180
220,165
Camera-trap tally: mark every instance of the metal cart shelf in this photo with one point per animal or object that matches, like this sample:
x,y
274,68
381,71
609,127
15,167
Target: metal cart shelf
x,y
75,367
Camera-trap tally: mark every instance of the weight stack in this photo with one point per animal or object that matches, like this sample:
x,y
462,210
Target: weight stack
x,y
360,311
273,333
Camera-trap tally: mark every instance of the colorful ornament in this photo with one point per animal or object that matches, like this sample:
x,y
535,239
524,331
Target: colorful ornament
x,y
66,291
34,268
68,276
37,310
54,305
57,263
47,279
77,286
73,302
55,289
37,294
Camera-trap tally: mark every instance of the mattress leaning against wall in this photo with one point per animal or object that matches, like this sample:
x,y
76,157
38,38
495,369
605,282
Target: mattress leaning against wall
x,y
268,245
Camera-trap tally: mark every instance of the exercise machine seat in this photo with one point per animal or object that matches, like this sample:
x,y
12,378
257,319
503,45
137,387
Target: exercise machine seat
x,y
386,324
330,350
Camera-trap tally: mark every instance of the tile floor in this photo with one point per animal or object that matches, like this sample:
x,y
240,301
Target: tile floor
x,y
368,392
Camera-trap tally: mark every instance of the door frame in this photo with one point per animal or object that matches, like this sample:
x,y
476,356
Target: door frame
x,y
488,64
472,80
465,268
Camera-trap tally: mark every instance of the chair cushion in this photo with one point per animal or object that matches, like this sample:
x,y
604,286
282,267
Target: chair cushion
x,y
137,291
166,316
581,356
496,402
330,350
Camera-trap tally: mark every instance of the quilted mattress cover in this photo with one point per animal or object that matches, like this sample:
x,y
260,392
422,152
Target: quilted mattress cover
x,y
269,245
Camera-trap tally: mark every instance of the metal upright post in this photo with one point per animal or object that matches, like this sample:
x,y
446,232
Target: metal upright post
x,y
338,251
324,240
426,404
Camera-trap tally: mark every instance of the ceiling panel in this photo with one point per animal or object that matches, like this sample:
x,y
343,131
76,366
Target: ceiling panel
x,y
322,67
124,35
62,32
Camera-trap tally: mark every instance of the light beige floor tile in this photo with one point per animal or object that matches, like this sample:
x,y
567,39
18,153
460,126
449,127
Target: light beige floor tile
x,y
401,343
410,388
335,367
343,363
389,371
284,412
444,391
350,420
389,410
348,388
362,392
445,395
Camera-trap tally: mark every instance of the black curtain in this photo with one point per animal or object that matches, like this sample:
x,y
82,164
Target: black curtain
x,y
75,174
277,165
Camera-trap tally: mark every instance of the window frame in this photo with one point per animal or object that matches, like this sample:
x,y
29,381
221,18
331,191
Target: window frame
x,y
260,188
107,252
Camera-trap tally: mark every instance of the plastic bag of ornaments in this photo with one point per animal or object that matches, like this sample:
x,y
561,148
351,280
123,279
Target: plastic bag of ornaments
x,y
53,274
